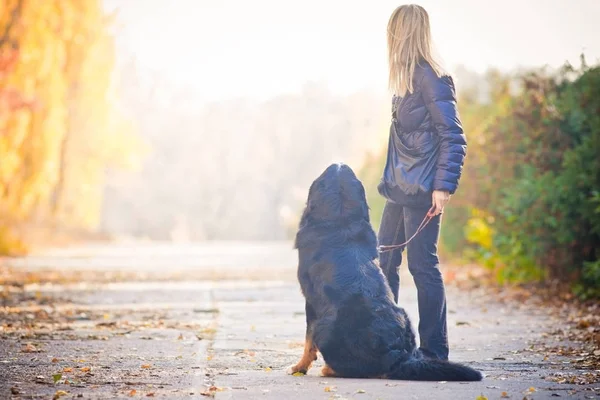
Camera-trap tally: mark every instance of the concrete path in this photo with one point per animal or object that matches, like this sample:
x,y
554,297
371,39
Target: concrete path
x,y
226,320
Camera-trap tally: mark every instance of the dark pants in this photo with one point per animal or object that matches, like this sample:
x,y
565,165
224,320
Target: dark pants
x,y
397,224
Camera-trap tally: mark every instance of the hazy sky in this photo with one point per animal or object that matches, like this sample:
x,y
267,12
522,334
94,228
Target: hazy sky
x,y
261,48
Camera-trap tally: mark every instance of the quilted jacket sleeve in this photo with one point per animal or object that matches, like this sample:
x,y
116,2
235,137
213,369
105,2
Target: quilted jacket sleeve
x,y
440,99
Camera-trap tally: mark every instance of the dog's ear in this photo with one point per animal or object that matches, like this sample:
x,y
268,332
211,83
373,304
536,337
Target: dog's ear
x,y
364,205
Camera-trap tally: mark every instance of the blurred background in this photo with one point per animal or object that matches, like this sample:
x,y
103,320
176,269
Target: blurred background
x,y
198,120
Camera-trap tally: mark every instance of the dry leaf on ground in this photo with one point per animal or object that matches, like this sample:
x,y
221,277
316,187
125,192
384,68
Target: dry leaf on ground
x,y
59,394
30,348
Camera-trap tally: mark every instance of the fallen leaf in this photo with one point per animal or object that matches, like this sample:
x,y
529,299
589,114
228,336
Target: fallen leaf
x,y
15,390
361,391
30,348
504,395
146,366
298,373
531,390
55,360
56,377
330,389
180,337
481,397
212,391
268,369
151,394
132,393
583,324
59,394
111,324
85,369
67,369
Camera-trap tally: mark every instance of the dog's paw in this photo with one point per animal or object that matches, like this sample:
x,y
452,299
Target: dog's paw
x,y
326,371
295,369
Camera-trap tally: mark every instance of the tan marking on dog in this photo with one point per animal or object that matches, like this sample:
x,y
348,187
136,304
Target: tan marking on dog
x,y
309,355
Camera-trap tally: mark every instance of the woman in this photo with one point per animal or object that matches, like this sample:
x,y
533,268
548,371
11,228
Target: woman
x,y
426,152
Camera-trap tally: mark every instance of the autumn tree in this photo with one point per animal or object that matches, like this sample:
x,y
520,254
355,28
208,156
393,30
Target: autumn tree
x,y
58,122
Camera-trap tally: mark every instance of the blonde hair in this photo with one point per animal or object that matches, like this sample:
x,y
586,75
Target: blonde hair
x,y
409,41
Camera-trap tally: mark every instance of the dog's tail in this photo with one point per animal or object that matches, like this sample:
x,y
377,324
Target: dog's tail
x,y
425,369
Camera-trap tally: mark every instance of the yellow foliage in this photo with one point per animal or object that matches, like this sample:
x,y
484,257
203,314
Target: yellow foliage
x,y
479,232
64,131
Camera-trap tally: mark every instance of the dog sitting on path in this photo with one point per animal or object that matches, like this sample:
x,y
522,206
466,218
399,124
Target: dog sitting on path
x,y
351,318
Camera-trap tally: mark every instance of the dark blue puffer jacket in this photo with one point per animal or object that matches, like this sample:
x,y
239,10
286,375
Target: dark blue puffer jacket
x,y
426,115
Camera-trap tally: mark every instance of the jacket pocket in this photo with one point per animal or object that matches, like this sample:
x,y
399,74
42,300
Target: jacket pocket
x,y
418,143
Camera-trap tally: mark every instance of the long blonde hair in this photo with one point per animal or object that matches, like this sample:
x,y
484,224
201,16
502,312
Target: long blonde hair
x,y
409,40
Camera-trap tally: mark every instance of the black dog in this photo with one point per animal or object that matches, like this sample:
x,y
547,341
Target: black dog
x,y
351,317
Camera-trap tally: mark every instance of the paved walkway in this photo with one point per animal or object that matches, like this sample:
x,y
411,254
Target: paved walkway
x,y
207,331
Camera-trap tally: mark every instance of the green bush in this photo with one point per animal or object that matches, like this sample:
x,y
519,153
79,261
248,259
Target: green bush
x,y
547,219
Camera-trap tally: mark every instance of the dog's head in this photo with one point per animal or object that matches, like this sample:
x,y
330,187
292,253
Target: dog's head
x,y
337,196
336,211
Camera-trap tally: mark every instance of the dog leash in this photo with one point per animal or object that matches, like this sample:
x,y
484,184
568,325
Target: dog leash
x,y
428,217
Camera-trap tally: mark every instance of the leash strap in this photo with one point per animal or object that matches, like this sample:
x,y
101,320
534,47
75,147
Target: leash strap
x,y
428,217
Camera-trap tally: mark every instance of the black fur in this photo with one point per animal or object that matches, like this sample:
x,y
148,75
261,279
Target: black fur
x,y
351,315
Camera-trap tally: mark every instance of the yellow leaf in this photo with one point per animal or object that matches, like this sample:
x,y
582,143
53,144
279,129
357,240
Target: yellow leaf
x,y
268,369
531,390
132,393
146,366
67,369
504,395
59,394
330,389
85,369
481,397
298,373
361,391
